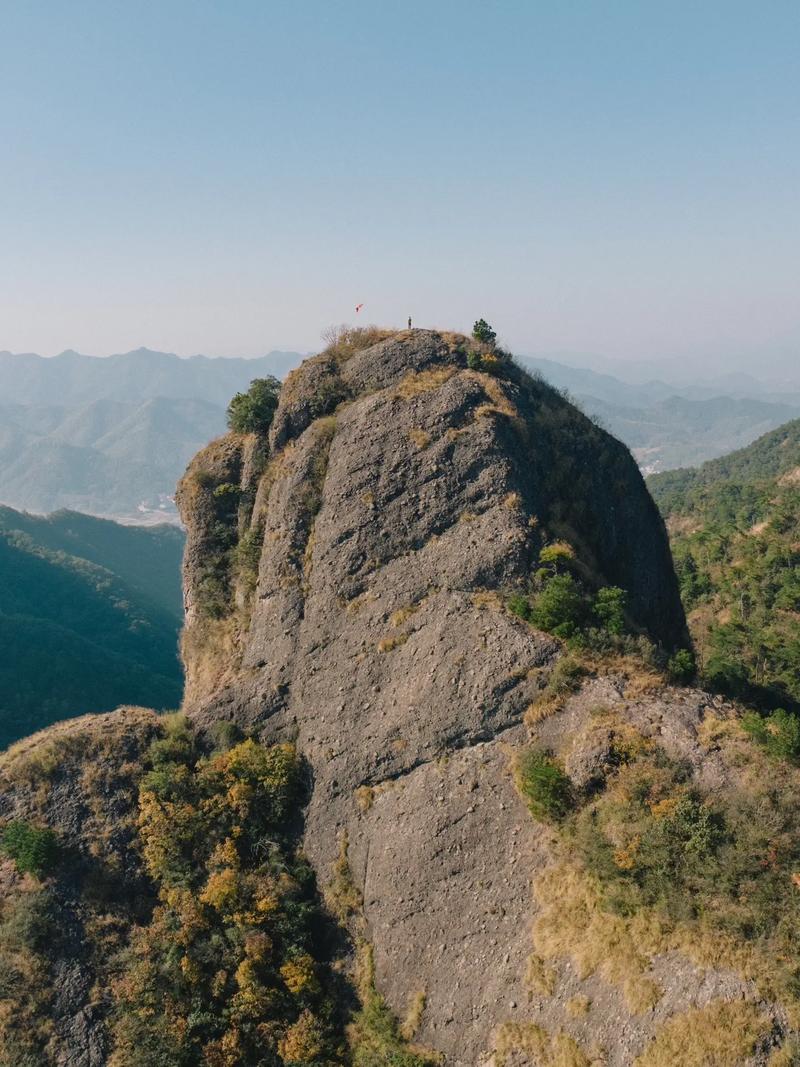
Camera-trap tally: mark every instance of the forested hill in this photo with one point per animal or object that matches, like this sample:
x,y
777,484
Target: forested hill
x,y
89,618
734,525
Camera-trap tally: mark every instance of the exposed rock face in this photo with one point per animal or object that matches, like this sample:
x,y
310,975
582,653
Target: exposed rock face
x,y
402,493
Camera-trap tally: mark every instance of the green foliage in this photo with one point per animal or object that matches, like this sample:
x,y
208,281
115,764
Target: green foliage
x,y
681,667
544,785
560,607
519,605
609,608
226,970
28,936
483,332
723,867
778,733
556,555
474,360
561,604
253,411
228,493
33,850
374,1035
734,524
77,637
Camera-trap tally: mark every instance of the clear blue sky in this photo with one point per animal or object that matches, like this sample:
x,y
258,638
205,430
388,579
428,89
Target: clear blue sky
x,y
619,177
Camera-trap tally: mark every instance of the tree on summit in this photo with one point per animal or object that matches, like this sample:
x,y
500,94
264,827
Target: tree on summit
x,y
253,411
483,332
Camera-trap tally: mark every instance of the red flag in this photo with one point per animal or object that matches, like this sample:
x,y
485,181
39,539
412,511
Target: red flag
x,y
358,308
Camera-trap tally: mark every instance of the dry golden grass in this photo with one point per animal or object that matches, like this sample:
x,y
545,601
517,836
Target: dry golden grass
x,y
342,342
413,1019
342,896
388,644
352,607
487,599
722,1034
211,650
573,924
539,977
513,501
577,1007
498,402
419,437
543,1048
418,382
640,679
787,1056
365,795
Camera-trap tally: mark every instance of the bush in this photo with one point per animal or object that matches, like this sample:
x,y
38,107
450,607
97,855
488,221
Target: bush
x,y
520,606
34,851
778,733
560,607
544,785
681,667
557,554
609,608
474,360
483,332
253,411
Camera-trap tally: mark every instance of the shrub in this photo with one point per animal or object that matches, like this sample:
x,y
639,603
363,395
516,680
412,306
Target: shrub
x,y
778,733
559,608
224,971
33,850
544,785
227,493
474,360
483,332
253,411
681,667
520,606
556,554
609,607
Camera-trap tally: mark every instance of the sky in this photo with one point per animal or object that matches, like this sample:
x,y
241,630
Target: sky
x,y
616,178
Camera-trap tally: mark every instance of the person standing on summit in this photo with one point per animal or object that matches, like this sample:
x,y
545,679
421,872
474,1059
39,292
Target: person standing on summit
x,y
409,322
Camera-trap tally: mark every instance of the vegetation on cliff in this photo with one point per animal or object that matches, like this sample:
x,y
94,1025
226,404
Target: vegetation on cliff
x,y
204,936
735,530
649,860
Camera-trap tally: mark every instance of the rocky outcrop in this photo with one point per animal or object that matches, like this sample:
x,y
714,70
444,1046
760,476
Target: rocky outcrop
x,y
404,495
346,586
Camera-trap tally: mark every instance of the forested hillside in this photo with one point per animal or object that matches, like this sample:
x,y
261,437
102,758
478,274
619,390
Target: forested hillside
x,y
89,618
734,524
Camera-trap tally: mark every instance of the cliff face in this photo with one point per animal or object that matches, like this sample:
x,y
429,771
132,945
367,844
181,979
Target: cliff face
x,y
347,589
402,496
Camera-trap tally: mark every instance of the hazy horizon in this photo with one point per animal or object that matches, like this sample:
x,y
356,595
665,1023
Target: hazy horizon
x,y
235,178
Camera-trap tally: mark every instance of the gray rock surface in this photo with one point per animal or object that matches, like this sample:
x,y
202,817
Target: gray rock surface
x,y
404,495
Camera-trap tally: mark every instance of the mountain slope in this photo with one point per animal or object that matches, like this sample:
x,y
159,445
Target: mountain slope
x,y
735,532
434,800
79,636
112,436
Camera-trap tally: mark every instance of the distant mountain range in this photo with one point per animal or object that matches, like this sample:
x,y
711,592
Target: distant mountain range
x,y
111,436
674,425
90,613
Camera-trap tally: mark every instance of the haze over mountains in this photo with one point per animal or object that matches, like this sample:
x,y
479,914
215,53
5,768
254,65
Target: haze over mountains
x,y
112,436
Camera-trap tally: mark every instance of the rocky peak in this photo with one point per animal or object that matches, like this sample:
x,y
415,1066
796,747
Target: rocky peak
x,y
345,587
